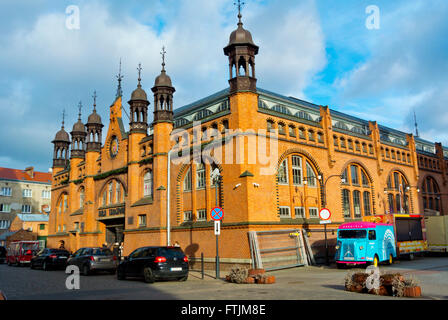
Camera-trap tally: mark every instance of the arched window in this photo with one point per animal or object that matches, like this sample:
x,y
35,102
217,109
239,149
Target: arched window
x,y
118,192
200,176
187,181
398,193
147,184
431,194
298,188
356,195
111,192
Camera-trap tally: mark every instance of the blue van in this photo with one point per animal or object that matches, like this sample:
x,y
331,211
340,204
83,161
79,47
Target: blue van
x,y
365,243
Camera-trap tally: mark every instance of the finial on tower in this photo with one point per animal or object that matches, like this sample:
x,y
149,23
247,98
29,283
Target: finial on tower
x,y
163,52
79,107
94,100
239,4
139,69
119,77
63,118
416,126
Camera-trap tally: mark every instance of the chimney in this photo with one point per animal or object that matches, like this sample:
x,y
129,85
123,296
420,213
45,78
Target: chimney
x,y
30,171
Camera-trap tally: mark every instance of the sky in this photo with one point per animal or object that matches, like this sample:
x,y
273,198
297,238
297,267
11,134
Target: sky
x,y
321,51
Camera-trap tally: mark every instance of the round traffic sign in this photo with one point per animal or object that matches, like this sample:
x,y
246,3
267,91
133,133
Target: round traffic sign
x,y
325,214
217,214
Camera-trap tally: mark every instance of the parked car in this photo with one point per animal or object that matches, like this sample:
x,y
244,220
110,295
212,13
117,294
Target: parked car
x,y
20,252
50,258
154,263
2,255
89,260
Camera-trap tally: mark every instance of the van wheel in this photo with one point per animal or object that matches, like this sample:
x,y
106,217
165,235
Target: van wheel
x,y
376,261
148,275
391,259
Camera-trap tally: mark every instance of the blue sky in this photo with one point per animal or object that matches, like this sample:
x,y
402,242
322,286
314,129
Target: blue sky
x,y
320,51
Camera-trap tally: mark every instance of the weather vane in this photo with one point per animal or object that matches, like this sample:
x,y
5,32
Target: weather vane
x,y
163,52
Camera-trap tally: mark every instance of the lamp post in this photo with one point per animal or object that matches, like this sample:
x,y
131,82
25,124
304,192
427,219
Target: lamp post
x,y
324,193
216,176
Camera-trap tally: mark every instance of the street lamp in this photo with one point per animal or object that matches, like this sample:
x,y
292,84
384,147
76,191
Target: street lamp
x,y
216,176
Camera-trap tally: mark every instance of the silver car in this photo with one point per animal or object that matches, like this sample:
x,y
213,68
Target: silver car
x,y
89,260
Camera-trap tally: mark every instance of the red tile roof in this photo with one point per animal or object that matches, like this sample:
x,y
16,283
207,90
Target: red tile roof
x,y
21,175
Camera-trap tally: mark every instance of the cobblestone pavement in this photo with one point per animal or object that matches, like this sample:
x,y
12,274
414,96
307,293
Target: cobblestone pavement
x,y
306,283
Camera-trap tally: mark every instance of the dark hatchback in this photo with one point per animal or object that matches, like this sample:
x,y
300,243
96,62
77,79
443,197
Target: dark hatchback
x,y
2,255
155,263
50,259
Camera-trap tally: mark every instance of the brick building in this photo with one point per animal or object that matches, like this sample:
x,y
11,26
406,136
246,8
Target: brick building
x,y
280,160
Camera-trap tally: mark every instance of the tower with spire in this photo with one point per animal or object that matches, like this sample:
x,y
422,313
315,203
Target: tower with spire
x,y
241,51
94,129
163,94
139,107
61,144
78,137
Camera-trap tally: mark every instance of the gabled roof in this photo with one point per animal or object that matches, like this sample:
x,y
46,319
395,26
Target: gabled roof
x,y
21,175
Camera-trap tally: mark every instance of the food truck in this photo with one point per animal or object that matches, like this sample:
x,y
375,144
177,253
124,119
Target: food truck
x,y
361,243
381,238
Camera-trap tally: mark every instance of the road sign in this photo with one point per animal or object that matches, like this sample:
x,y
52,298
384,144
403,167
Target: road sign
x,y
325,214
217,228
217,214
325,221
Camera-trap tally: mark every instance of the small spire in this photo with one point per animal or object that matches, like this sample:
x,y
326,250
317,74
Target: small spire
x,y
119,77
416,126
94,100
139,75
79,107
163,52
63,118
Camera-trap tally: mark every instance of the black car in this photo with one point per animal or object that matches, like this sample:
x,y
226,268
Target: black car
x,y
2,255
50,258
154,263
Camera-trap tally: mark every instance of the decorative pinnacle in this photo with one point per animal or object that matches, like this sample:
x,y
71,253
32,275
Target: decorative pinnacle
x,y
139,75
119,77
79,107
63,118
163,52
239,4
94,100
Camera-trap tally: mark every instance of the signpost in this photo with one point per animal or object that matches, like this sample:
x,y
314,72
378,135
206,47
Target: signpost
x,y
325,216
217,214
